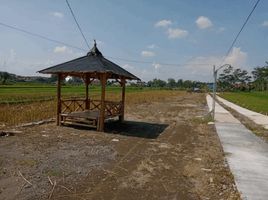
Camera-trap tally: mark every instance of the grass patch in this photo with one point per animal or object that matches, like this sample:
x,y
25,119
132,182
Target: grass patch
x,y
256,101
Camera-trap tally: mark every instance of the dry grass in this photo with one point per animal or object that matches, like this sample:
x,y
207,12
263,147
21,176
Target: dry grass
x,y
14,114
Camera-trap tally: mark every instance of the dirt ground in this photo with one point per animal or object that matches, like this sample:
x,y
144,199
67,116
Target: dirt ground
x,y
164,150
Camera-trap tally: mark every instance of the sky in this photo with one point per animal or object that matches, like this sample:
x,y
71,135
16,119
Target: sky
x,y
192,34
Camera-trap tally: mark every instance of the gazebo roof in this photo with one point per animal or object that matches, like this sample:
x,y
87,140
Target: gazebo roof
x,y
93,63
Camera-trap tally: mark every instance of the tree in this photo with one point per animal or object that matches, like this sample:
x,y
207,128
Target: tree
x,y
188,84
171,83
53,78
157,83
226,79
4,76
180,83
241,79
75,80
260,76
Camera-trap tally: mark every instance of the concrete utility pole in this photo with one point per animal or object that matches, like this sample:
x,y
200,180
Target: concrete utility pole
x,y
215,72
214,92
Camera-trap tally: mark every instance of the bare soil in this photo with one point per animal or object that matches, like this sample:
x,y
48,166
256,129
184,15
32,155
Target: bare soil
x,y
164,150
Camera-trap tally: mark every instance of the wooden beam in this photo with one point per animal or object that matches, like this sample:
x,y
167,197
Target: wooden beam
x,y
58,120
87,83
102,111
123,84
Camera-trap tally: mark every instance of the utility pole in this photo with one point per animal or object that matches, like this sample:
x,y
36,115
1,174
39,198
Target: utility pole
x,y
215,72
214,91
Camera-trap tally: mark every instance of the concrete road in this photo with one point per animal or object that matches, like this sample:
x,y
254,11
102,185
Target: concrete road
x,y
247,154
258,118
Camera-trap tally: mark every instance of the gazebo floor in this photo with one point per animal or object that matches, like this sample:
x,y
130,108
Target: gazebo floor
x,y
87,118
82,118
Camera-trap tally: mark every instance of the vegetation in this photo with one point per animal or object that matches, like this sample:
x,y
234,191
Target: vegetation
x,y
234,79
240,80
22,93
246,89
180,84
12,114
256,101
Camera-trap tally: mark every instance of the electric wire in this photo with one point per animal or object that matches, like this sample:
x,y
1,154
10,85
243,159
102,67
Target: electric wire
x,y
84,50
80,29
40,36
241,29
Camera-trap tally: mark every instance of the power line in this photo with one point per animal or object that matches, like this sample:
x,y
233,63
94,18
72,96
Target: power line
x,y
241,29
40,36
127,60
160,63
78,24
75,47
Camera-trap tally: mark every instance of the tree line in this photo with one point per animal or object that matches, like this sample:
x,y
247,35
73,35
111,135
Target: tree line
x,y
236,79
172,83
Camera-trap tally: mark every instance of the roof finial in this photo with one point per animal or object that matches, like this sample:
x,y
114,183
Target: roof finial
x,y
95,43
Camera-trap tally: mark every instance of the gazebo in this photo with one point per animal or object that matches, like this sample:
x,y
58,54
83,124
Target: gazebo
x,y
89,112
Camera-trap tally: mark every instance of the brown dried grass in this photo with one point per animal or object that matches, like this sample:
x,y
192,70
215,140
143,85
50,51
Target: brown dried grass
x,y
15,114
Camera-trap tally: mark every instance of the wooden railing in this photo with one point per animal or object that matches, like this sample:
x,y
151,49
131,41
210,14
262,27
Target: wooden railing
x,y
112,108
72,105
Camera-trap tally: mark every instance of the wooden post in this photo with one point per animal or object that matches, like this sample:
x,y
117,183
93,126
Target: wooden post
x,y
123,84
58,120
102,111
87,83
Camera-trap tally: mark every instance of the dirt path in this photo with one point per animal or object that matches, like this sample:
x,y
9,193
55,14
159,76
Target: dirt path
x,y
165,150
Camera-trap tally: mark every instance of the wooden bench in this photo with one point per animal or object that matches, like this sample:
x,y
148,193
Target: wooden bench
x,y
74,112
82,118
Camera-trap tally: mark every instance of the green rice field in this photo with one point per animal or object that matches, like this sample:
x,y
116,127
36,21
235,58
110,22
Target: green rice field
x,y
20,93
256,101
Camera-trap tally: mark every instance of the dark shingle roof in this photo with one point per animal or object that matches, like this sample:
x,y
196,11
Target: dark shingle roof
x,y
93,62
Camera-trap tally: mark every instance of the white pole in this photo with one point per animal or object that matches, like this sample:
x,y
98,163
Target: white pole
x,y
214,92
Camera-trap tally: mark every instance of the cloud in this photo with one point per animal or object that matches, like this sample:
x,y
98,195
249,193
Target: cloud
x,y
176,33
152,46
62,50
147,54
201,66
156,65
265,23
57,14
221,29
203,22
163,23
237,58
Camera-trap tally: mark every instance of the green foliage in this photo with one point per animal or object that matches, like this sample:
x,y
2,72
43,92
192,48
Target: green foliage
x,y
234,79
157,83
260,75
171,83
239,80
6,77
